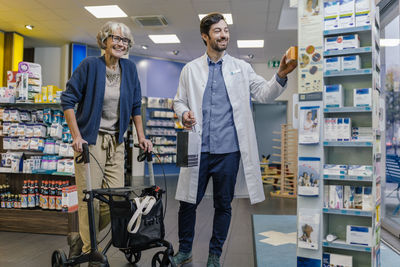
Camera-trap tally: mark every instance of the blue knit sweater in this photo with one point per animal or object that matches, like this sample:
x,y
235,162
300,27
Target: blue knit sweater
x,y
86,88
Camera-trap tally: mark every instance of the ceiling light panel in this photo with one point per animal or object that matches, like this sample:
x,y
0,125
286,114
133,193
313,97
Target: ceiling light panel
x,y
165,39
250,43
110,11
227,16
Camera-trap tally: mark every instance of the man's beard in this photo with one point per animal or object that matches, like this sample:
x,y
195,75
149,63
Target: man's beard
x,y
214,45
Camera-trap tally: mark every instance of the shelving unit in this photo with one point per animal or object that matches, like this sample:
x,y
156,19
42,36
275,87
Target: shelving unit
x,y
35,220
368,151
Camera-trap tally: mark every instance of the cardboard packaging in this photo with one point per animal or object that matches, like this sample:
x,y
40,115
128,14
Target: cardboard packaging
x,y
344,129
347,14
292,53
333,43
330,133
69,199
360,170
350,62
336,260
332,64
348,199
367,199
350,41
333,169
362,97
333,96
331,14
363,12
335,196
359,235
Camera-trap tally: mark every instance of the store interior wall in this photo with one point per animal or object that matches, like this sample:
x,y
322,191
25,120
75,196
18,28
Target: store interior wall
x,y
50,60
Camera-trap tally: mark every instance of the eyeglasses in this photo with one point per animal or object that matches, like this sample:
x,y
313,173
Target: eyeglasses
x,y
116,39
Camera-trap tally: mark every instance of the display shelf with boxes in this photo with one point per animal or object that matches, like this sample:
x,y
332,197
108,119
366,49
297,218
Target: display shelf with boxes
x,y
346,211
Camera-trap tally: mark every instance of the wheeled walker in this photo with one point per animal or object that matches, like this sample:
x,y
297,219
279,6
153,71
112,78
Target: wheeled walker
x,y
149,228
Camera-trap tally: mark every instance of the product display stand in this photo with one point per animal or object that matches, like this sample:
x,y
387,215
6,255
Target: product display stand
x,y
339,222
286,177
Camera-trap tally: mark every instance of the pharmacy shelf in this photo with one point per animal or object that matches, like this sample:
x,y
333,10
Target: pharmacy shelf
x,y
347,30
342,245
350,51
161,135
39,172
41,105
360,213
348,144
347,110
160,108
348,178
359,72
161,126
155,144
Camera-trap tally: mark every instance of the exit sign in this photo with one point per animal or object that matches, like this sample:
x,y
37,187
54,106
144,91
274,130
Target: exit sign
x,y
273,64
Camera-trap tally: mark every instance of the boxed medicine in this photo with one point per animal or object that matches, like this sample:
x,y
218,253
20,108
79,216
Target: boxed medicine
x,y
350,62
367,200
331,14
330,133
362,97
333,43
359,235
333,169
343,129
336,260
350,41
358,197
333,96
332,64
363,12
348,199
347,14
335,196
326,196
360,170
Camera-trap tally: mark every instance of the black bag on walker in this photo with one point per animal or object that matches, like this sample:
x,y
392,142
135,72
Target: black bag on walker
x,y
149,226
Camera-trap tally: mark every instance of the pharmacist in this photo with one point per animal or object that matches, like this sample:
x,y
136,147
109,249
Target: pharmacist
x,y
107,91
213,97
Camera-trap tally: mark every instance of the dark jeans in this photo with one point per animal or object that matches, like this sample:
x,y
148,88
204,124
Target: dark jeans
x,y
223,169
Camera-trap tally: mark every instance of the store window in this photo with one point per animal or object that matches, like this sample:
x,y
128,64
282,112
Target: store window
x,y
390,82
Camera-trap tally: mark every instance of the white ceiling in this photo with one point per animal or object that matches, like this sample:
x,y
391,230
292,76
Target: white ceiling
x,y
58,22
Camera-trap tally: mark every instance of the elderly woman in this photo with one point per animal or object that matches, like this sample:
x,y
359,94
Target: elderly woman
x,y
107,91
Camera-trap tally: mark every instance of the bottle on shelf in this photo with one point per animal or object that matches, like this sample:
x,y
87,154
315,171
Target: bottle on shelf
x,y
31,194
59,196
52,199
37,196
24,195
45,204
3,203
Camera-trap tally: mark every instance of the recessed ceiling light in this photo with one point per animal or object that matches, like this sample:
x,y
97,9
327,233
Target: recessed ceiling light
x,y
29,27
165,39
175,52
227,16
389,42
250,43
145,47
110,11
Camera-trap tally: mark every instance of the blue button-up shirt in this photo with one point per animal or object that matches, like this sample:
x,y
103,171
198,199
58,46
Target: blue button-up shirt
x,y
219,132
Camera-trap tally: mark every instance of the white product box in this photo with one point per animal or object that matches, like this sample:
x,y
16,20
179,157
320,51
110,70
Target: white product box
x,y
329,129
367,199
348,199
362,97
332,64
331,14
335,196
367,130
337,260
333,95
347,14
360,170
326,196
69,199
350,41
363,12
350,62
333,43
333,169
344,129
359,235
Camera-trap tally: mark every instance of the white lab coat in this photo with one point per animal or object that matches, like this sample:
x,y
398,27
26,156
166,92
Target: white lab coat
x,y
241,83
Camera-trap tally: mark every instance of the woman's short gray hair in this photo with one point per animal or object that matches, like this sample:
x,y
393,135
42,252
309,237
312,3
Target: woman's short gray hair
x,y
111,27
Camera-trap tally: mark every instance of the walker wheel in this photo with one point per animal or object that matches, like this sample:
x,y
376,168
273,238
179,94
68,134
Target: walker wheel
x,y
58,259
132,257
162,259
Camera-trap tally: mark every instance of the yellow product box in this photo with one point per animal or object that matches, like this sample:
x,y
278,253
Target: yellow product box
x,y
52,90
291,53
44,94
38,98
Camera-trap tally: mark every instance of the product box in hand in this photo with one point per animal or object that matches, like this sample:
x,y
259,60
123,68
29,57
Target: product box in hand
x,y
350,62
336,260
350,41
331,14
362,97
360,170
332,64
333,96
333,169
69,199
359,235
363,12
336,196
347,14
